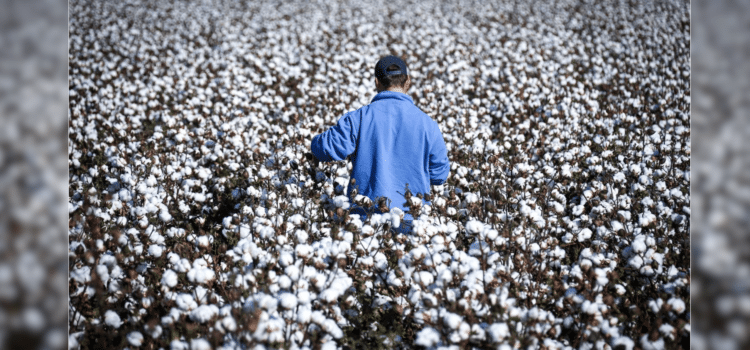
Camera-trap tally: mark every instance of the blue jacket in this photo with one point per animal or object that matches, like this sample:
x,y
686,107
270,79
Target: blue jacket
x,y
393,142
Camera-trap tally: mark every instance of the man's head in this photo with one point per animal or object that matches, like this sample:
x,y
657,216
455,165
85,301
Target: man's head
x,y
391,74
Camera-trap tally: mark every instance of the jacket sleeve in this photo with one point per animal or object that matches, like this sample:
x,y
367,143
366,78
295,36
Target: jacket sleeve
x,y
337,142
439,164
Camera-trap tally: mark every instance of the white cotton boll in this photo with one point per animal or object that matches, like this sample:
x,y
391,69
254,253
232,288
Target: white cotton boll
x,y
464,330
203,173
567,238
585,264
584,234
200,344
394,219
285,282
578,210
397,211
185,302
229,323
203,241
304,315
415,201
474,227
263,173
164,215
341,202
301,236
635,261
201,275
154,332
643,180
601,277
201,294
438,240
287,300
498,331
619,177
667,330
112,319
424,278
285,259
624,342
646,218
470,197
332,328
155,250
428,337
635,169
439,202
647,270
477,333
268,303
177,344
135,338
649,345
452,320
393,280
182,266
620,289
169,278
293,272
204,313
150,181
303,296
678,306
521,240
298,203
227,222
103,273
304,251
639,244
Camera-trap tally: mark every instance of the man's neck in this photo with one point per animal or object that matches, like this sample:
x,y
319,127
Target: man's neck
x,y
394,90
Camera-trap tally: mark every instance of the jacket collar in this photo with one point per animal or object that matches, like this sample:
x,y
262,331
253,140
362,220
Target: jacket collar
x,y
383,95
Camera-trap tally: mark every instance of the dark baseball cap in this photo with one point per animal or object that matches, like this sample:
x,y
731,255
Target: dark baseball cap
x,y
387,61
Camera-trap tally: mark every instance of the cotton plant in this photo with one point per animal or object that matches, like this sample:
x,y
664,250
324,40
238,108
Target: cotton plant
x,y
198,219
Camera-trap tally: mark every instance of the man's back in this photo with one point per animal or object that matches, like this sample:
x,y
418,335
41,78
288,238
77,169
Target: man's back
x,y
395,144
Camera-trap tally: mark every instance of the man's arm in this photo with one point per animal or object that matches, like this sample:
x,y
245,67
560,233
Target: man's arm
x,y
440,166
337,142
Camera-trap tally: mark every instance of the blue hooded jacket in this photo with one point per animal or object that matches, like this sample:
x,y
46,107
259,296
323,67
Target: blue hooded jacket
x,y
394,143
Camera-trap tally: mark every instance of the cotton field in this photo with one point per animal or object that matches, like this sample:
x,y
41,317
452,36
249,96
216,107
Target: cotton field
x,y
198,220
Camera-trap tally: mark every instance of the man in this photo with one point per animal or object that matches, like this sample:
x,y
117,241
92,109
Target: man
x,y
392,141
